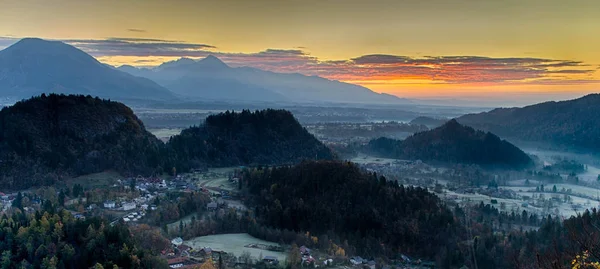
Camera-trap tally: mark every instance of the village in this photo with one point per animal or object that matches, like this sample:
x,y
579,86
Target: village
x,y
141,200
150,200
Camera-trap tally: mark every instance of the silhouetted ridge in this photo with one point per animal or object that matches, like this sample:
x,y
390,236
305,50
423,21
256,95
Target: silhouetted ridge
x,y
570,124
33,66
453,143
365,214
47,138
261,137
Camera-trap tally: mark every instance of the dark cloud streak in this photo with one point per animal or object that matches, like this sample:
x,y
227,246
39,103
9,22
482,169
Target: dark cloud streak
x,y
435,69
134,30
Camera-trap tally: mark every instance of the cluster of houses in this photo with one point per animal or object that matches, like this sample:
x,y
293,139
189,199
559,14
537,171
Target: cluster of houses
x,y
404,263
6,201
141,203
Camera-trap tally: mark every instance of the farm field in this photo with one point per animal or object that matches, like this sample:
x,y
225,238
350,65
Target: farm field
x,y
97,180
235,244
165,132
362,159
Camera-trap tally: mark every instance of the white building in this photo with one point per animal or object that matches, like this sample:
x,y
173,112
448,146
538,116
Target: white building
x,y
129,206
109,204
177,241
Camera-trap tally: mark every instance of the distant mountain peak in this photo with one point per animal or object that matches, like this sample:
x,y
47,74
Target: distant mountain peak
x,y
33,66
451,123
213,61
40,46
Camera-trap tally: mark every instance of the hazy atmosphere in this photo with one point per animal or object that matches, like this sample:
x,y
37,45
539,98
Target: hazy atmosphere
x,y
267,134
516,52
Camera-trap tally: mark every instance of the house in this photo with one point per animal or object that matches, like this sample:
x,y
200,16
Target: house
x,y
211,206
307,260
109,204
126,219
153,207
184,248
356,260
145,206
405,258
270,260
92,207
304,250
177,262
129,206
206,251
371,264
177,241
182,263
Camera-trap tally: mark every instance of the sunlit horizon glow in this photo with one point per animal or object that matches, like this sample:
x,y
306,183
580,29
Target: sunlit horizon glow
x,y
434,49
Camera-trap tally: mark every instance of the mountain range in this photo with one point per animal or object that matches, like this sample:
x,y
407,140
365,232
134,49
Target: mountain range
x,y
33,66
210,78
569,124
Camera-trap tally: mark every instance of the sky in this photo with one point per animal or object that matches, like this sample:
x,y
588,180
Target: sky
x,y
428,49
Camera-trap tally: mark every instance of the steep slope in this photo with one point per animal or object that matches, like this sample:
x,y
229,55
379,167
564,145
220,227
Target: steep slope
x,y
261,137
571,124
360,212
33,66
205,77
50,137
453,143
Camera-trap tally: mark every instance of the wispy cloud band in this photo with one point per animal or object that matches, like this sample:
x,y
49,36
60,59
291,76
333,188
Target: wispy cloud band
x,y
375,67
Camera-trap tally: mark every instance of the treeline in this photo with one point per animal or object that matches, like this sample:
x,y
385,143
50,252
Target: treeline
x,y
337,208
48,138
555,244
373,215
571,124
262,137
453,143
176,206
45,240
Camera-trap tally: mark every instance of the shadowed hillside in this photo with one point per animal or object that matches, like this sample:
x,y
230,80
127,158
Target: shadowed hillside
x,y
453,143
570,124
49,137
260,137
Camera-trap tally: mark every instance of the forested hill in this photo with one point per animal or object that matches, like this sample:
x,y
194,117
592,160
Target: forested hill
x,y
571,124
453,143
49,137
364,214
245,138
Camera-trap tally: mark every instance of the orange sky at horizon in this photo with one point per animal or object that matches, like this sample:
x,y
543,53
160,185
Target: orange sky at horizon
x,y
416,49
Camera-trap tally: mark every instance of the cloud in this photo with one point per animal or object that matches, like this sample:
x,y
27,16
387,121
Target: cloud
x,y
374,67
136,30
140,47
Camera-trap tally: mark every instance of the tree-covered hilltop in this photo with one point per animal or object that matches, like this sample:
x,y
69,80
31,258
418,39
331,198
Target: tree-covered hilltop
x,y
261,137
453,143
48,137
58,240
571,124
364,214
